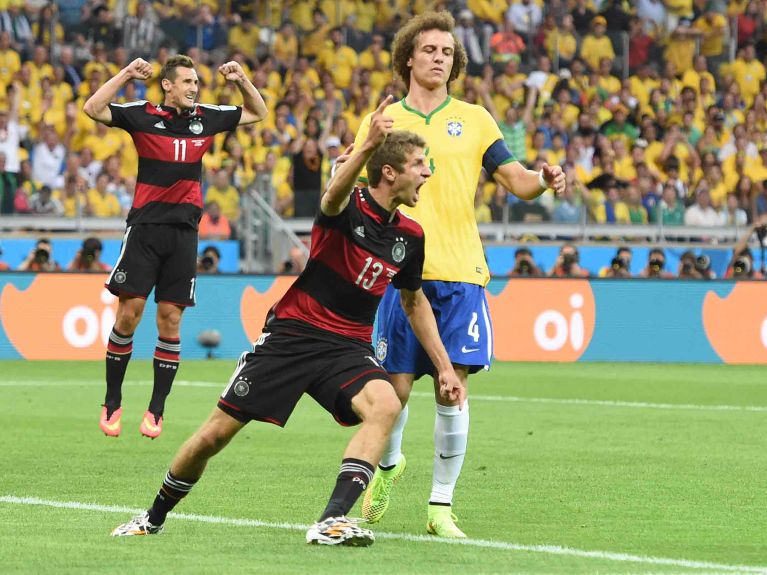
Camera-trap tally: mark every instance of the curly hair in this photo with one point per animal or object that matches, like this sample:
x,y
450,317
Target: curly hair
x,y
404,43
392,153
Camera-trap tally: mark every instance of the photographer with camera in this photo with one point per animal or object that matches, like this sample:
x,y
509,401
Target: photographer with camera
x,y
40,258
688,268
742,262
620,265
524,264
88,257
567,265
656,262
209,260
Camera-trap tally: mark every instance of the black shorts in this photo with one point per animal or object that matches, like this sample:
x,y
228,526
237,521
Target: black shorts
x,y
163,256
288,361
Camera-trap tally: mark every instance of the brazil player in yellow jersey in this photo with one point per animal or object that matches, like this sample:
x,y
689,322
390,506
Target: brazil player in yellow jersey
x,y
462,139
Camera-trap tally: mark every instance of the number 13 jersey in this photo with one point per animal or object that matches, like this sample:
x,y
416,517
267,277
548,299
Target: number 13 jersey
x,y
353,257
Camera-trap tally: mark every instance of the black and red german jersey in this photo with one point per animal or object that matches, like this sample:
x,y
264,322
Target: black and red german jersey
x,y
353,257
170,147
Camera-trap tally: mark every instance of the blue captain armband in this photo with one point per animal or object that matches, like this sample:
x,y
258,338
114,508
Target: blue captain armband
x,y
496,155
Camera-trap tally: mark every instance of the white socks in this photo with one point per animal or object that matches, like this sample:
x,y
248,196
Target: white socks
x,y
393,449
451,433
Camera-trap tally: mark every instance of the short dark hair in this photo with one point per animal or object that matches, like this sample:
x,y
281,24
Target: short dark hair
x,y
522,252
177,61
393,152
212,249
92,244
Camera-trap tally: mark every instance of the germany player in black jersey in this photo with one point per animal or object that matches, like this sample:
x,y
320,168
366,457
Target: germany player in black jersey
x,y
316,339
159,249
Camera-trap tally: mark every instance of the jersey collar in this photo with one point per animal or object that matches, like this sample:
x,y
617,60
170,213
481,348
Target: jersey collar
x,y
426,117
170,112
384,216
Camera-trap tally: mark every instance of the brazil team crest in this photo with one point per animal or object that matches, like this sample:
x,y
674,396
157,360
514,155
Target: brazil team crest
x,y
381,348
454,127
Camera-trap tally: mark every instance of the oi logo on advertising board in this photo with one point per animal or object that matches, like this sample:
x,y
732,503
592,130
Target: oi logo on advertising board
x,y
542,320
59,316
736,326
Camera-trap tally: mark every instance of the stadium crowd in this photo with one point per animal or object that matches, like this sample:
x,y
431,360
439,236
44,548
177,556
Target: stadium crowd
x,y
641,102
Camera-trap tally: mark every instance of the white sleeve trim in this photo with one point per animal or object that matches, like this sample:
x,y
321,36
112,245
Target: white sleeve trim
x,y
222,108
129,104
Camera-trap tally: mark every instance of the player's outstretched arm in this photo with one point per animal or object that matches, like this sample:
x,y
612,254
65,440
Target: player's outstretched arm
x,y
529,184
253,106
97,106
342,183
421,318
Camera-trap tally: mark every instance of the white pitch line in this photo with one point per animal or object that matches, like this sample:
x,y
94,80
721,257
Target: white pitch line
x,y
483,543
607,403
508,398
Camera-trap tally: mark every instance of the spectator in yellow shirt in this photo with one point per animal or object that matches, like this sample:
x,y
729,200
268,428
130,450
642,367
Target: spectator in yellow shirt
x,y
313,41
562,42
681,45
39,67
713,27
377,60
693,76
492,11
749,73
73,197
339,60
337,11
285,48
100,62
244,36
606,82
102,203
225,195
596,45
104,142
10,62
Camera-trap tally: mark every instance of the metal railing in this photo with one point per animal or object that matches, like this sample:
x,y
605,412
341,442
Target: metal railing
x,y
267,238
588,232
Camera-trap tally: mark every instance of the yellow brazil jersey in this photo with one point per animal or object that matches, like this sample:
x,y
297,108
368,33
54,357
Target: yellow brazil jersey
x,y
457,135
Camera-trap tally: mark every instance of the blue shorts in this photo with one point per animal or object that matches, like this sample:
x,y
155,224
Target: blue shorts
x,y
463,321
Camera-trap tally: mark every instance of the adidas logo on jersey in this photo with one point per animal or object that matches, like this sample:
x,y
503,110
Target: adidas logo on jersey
x,y
160,125
360,231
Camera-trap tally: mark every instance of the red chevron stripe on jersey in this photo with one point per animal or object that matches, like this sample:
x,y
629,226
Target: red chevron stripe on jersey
x,y
182,192
167,148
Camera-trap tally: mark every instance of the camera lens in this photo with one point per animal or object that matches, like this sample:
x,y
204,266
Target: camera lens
x,y
742,266
207,262
657,264
41,256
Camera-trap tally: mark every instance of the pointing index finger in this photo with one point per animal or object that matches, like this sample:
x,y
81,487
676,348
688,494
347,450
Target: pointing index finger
x,y
382,105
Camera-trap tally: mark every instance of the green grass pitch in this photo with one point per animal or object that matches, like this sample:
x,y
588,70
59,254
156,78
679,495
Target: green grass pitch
x,y
579,468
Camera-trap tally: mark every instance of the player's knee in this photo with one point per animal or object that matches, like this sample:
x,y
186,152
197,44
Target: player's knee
x,y
168,319
387,406
210,441
377,403
128,318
